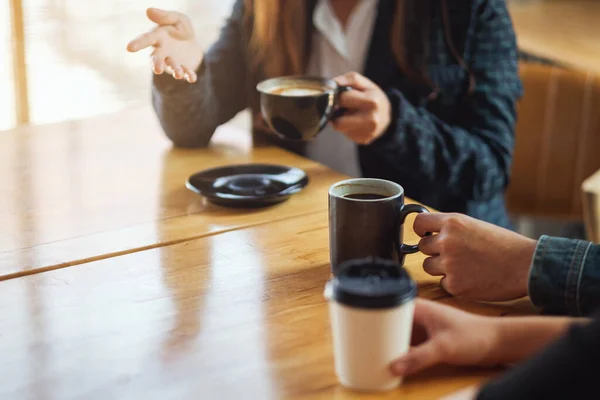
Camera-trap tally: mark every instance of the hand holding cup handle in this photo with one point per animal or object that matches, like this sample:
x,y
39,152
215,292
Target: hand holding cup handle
x,y
340,110
407,209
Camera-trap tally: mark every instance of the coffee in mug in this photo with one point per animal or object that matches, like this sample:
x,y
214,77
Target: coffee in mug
x,y
371,307
366,218
364,196
299,107
298,90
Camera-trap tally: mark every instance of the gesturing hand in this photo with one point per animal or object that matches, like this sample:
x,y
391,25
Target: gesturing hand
x,y
175,48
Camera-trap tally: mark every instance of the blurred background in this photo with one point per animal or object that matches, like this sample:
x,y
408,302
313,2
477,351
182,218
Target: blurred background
x,y
72,58
65,60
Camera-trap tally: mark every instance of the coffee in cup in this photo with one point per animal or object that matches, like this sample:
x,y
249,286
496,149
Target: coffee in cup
x,y
299,107
299,90
371,307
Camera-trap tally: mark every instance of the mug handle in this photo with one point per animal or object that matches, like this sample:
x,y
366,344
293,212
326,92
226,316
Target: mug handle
x,y
338,112
404,248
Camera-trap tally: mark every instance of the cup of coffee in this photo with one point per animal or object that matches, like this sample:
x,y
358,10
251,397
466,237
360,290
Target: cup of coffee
x,y
299,107
371,307
366,218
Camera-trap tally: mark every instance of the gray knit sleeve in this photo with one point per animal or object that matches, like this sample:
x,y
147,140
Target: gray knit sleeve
x,y
190,113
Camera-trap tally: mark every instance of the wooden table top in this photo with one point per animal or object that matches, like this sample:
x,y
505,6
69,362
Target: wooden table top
x,y
79,191
117,282
564,31
240,314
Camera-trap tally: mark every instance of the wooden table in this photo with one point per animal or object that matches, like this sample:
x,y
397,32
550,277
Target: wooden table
x,y
202,302
79,191
235,315
564,31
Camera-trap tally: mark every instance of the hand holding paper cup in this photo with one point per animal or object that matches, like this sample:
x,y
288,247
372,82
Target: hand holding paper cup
x,y
371,306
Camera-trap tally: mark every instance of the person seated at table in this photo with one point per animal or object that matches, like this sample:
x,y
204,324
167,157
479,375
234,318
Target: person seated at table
x,y
436,85
481,261
556,357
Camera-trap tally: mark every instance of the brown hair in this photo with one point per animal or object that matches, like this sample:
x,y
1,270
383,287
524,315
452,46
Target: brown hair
x,y
278,35
278,40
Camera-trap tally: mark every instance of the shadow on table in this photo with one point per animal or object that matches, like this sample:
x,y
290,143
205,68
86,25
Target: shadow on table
x,y
430,384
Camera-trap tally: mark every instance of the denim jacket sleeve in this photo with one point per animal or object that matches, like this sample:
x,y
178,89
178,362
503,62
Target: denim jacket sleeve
x,y
565,276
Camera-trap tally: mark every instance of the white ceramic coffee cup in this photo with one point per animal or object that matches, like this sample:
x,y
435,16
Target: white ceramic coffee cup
x,y
371,306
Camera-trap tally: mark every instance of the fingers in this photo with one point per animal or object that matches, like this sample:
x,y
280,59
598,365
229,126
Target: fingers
x,y
348,122
357,127
148,39
163,17
161,64
354,80
433,266
429,245
417,359
189,74
177,70
425,310
444,284
354,99
428,222
158,61
427,314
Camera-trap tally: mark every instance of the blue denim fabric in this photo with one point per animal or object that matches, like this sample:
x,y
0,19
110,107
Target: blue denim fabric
x,y
565,276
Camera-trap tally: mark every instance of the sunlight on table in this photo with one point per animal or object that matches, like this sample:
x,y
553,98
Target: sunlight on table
x,y
77,65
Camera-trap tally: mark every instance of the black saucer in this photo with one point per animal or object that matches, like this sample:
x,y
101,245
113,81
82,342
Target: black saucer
x,y
248,185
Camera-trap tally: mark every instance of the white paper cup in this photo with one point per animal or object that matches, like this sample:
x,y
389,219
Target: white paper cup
x,y
371,306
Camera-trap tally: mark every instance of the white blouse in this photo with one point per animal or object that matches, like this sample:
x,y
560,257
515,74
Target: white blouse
x,y
336,52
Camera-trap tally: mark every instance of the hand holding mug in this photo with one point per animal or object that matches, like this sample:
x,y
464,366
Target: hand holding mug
x,y
368,110
477,260
175,49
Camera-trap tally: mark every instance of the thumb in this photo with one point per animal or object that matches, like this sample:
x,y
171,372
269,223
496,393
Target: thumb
x,y
417,359
163,17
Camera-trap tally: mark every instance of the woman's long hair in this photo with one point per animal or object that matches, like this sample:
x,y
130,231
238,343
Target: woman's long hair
x,y
278,41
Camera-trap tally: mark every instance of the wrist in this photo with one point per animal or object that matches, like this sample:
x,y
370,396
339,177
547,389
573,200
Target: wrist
x,y
493,355
503,341
522,260
517,338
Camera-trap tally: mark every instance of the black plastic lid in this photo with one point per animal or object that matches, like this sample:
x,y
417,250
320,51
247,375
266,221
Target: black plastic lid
x,y
371,283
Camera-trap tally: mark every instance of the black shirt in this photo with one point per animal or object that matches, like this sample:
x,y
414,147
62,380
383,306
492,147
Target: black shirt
x,y
566,369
